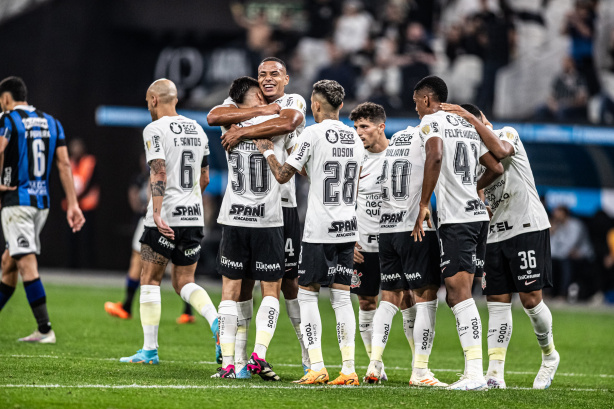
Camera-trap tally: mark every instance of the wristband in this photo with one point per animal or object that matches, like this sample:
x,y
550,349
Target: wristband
x,y
268,153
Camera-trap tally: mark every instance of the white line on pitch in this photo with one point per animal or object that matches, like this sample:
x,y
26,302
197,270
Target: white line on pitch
x,y
396,368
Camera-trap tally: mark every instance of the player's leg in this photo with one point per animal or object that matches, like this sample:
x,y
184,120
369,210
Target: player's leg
x,y
123,309
245,309
458,254
367,305
499,335
266,322
313,269
154,264
228,320
365,284
183,282
344,311
9,278
408,311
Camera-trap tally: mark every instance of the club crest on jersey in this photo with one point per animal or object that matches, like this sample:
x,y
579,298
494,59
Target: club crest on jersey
x,y
332,136
289,101
176,128
343,228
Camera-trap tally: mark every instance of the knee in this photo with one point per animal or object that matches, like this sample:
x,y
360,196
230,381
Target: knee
x,y
290,288
530,300
367,303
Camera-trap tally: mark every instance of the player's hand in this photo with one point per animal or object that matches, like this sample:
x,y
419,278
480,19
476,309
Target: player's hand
x,y
272,109
458,110
489,210
358,257
485,121
163,227
423,214
231,138
75,218
263,145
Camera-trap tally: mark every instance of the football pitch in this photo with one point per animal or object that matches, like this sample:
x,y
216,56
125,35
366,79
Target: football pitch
x,y
82,369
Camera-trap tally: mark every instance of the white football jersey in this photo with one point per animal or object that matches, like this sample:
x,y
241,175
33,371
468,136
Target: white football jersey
x,y
252,197
332,154
183,144
369,201
513,197
457,198
287,101
402,174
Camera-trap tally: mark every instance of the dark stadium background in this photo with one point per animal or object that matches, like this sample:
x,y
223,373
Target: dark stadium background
x,y
81,59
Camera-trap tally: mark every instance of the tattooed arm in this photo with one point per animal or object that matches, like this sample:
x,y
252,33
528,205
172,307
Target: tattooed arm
x,y
283,173
157,181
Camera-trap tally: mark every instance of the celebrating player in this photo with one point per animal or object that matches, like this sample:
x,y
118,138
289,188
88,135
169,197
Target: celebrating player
x,y
272,78
29,139
176,148
332,155
518,250
252,245
452,148
370,124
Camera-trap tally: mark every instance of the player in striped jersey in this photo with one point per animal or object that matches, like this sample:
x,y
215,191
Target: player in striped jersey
x,y
30,141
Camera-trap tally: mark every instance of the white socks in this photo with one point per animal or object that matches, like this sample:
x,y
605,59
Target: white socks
x,y
294,313
424,333
499,334
228,331
409,318
346,327
469,327
245,311
198,298
541,319
311,327
266,322
365,326
382,322
151,309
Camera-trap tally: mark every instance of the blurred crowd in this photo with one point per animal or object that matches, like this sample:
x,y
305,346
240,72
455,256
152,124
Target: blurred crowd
x,y
378,50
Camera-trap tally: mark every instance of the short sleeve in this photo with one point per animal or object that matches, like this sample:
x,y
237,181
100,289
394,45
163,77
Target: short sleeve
x,y
429,128
302,151
510,135
227,101
5,127
206,150
483,149
296,102
153,143
61,136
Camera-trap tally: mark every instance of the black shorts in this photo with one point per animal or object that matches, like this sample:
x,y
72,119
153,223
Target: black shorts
x,y
518,265
292,240
183,251
460,247
251,253
326,263
367,276
406,264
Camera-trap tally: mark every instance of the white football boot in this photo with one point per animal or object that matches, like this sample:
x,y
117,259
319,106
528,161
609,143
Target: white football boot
x,y
37,336
544,377
469,383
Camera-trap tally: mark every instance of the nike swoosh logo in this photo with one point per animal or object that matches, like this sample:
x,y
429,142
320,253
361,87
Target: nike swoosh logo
x,y
362,177
462,334
288,269
444,268
529,282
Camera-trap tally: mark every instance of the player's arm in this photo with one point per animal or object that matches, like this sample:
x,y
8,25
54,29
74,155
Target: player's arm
x,y
500,149
494,169
4,133
432,168
74,215
226,115
283,173
288,121
157,180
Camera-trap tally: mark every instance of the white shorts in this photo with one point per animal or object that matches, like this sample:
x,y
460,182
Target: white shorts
x,y
138,232
22,226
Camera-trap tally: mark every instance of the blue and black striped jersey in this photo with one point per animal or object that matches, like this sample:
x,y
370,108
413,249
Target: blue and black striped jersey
x,y
32,137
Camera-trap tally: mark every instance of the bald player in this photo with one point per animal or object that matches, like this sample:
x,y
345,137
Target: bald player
x,y
176,148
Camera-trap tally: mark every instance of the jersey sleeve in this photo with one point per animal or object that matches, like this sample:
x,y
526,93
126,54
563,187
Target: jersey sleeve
x,y
302,151
5,127
510,135
483,149
206,150
429,128
296,102
153,143
61,136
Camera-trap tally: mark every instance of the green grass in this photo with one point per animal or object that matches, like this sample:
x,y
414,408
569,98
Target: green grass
x,y
90,343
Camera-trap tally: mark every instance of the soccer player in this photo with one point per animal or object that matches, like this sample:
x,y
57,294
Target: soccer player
x,y
176,148
272,78
409,270
29,140
252,245
331,154
452,147
518,250
370,124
